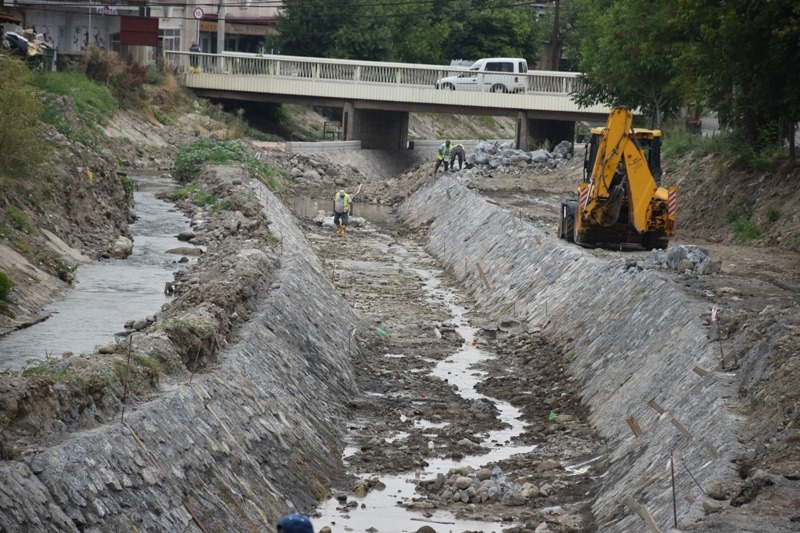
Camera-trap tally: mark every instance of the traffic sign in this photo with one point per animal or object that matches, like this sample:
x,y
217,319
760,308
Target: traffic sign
x,y
198,13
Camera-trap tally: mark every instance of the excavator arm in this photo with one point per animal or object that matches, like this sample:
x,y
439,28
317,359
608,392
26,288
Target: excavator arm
x,y
621,200
619,154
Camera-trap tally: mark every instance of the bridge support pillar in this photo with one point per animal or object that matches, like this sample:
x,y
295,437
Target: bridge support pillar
x,y
375,128
533,132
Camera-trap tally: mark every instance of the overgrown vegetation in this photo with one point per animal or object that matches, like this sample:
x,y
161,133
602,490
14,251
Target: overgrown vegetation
x,y
197,156
21,149
740,217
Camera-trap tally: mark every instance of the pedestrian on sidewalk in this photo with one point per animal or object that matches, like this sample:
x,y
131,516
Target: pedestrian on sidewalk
x,y
295,523
442,156
194,49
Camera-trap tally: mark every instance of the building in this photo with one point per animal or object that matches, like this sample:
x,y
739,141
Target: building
x,y
71,26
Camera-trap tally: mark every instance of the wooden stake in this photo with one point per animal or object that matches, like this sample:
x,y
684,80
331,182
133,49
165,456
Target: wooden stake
x,y
637,431
483,277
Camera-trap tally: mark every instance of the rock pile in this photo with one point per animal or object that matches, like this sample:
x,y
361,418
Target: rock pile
x,y
684,258
501,155
469,486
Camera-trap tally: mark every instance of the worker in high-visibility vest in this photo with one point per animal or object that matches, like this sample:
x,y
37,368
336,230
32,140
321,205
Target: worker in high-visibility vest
x,y
442,156
341,211
457,152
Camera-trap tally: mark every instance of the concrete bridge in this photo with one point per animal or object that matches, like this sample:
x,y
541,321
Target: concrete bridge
x,y
377,97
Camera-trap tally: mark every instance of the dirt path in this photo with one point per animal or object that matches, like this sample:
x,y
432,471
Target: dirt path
x,y
422,426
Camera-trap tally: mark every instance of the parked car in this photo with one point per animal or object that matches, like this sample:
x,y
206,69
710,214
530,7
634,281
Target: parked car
x,y
495,74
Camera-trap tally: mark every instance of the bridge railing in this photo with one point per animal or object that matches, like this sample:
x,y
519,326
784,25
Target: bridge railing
x,y
354,72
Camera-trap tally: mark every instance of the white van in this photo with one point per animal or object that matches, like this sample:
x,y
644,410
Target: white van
x,y
495,74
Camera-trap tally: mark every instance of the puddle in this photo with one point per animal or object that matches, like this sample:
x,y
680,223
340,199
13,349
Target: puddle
x,y
377,214
108,293
380,509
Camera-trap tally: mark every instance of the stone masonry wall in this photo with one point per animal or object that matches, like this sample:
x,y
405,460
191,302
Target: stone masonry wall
x,y
634,337
231,451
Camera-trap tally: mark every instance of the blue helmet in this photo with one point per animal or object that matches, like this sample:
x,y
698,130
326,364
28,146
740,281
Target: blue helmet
x,y
295,523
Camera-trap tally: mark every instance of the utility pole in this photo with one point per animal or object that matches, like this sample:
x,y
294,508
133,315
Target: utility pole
x,y
221,35
555,44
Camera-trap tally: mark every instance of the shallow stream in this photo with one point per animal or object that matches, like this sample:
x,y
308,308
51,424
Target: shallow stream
x,y
108,292
379,509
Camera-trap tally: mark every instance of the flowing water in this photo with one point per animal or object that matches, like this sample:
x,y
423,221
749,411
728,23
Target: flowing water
x,y
109,292
379,508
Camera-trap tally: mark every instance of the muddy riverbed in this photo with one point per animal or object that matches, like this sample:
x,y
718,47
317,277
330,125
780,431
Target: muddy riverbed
x,y
468,422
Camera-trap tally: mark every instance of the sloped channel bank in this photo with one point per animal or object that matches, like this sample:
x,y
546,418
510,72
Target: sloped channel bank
x,y
227,450
635,339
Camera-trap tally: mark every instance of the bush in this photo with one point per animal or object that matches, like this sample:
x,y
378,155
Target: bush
x,y
127,186
65,271
5,286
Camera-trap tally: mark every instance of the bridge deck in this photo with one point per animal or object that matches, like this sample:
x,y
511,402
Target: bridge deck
x,y
397,86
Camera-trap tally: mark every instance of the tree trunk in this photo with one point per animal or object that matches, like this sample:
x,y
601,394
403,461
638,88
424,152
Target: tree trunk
x,y
792,144
555,45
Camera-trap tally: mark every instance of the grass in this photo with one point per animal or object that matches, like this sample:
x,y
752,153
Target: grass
x,y
19,220
194,192
93,103
195,157
739,216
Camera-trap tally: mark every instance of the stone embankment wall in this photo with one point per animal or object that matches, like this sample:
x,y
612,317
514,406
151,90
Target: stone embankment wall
x,y
230,450
635,340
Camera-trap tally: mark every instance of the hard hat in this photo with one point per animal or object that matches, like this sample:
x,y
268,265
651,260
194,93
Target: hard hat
x,y
295,523
341,193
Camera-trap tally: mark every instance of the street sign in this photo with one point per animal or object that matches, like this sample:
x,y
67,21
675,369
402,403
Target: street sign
x,y
198,13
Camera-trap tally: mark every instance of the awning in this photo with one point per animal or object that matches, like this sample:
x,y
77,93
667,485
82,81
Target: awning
x,y
8,17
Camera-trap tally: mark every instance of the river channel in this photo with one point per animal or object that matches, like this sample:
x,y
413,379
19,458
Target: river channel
x,y
383,510
108,292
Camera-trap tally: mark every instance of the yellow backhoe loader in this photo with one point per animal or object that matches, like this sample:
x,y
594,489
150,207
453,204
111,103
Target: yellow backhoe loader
x,y
620,200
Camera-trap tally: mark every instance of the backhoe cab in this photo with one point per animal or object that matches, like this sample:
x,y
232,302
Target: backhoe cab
x,y
620,200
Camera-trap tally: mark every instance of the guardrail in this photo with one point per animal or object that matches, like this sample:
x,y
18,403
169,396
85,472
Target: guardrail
x,y
353,72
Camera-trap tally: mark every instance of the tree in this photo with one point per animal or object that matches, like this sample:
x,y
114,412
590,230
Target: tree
x,y
745,56
626,52
492,29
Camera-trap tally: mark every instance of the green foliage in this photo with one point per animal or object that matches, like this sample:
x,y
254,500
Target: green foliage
x,y
5,286
772,214
624,65
745,230
412,32
195,157
65,271
20,147
740,217
127,186
93,103
154,74
19,219
194,192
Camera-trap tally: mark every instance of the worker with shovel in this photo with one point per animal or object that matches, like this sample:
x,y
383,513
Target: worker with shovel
x,y
342,209
459,152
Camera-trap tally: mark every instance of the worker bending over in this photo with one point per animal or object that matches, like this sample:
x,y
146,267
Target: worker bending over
x,y
457,152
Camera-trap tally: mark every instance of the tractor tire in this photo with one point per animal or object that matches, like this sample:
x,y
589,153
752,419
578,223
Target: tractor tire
x,y
655,241
566,226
